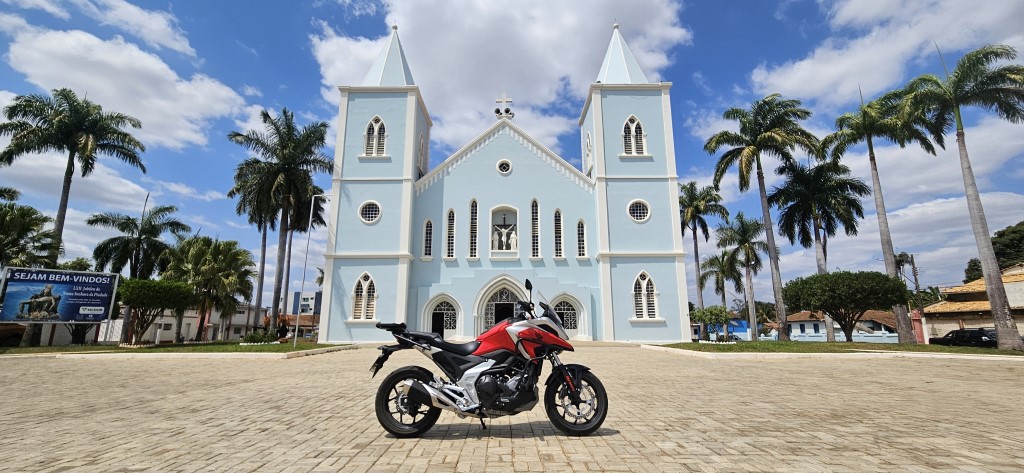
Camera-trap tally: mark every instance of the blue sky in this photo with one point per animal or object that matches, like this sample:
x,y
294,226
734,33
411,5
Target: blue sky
x,y
194,71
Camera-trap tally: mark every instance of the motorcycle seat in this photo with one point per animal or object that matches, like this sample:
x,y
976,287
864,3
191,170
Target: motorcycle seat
x,y
435,340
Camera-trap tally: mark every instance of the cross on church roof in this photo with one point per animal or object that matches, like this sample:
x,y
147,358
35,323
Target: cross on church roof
x,y
504,110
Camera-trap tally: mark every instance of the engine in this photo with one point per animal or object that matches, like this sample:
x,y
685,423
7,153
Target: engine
x,y
512,391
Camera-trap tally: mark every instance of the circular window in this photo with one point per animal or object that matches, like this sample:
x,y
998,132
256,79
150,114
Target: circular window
x,y
639,211
504,167
369,212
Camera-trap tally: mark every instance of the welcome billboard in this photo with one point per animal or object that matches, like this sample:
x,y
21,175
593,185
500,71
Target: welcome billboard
x,y
48,296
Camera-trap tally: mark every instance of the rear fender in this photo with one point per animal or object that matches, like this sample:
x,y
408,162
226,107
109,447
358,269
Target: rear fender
x,y
386,351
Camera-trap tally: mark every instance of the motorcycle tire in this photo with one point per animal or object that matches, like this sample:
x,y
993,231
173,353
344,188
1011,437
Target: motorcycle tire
x,y
398,414
577,420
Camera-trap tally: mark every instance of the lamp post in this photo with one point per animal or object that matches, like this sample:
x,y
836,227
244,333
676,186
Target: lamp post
x,y
305,259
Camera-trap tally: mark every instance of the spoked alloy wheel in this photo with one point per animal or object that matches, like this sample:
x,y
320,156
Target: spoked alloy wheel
x,y
398,414
572,418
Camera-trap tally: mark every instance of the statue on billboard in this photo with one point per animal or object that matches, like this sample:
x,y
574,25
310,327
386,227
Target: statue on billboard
x,y
40,306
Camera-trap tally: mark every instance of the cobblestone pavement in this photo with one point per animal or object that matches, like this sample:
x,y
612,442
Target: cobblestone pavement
x,y
668,413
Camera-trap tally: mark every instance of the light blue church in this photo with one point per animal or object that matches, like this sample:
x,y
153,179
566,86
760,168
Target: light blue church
x,y
448,249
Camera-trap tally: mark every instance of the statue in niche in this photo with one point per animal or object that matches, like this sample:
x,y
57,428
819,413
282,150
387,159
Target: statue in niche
x,y
513,240
494,239
504,238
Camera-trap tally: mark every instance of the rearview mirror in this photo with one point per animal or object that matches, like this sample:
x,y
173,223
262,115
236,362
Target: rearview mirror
x,y
529,286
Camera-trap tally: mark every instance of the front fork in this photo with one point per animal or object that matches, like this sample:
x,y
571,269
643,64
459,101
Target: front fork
x,y
571,374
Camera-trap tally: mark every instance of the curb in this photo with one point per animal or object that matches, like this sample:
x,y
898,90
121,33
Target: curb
x,y
188,356
861,355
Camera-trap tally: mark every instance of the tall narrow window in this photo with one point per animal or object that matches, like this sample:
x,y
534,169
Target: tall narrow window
x,y
633,137
567,312
581,243
428,238
644,300
558,234
364,298
534,230
375,137
422,158
472,229
449,251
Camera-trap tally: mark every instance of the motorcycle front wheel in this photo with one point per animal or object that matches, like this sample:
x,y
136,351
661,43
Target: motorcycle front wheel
x,y
577,419
398,414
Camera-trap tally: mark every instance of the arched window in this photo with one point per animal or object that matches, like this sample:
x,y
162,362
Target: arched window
x,y
569,315
364,298
581,242
449,251
558,234
472,229
633,137
588,158
644,303
428,238
446,311
534,230
422,158
375,137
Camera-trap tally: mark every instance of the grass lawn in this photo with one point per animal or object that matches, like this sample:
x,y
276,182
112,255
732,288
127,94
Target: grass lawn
x,y
836,347
214,347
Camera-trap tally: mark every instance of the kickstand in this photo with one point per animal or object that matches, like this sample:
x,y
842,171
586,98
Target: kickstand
x,y
482,424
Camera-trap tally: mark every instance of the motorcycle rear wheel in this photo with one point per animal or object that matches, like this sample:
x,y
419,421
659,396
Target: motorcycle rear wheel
x,y
577,419
399,415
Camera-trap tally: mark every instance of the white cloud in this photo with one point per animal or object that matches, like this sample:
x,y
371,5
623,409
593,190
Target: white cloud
x,y
175,112
250,119
42,175
540,53
49,6
157,29
186,191
873,44
251,91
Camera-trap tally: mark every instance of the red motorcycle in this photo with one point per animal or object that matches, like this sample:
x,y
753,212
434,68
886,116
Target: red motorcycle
x,y
496,375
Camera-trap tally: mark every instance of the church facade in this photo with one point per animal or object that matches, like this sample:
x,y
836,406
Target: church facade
x,y
448,249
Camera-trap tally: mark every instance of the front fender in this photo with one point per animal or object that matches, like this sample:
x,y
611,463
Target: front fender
x,y
573,370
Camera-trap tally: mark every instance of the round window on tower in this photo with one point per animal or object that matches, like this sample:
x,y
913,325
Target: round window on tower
x,y
369,212
504,167
639,211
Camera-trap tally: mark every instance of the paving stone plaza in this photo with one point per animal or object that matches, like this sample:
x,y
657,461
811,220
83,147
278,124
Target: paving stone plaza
x,y
669,412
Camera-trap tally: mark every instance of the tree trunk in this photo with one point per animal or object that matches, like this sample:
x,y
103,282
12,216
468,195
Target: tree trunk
x,y
773,257
201,329
259,282
696,276
1007,335
178,319
848,331
819,249
282,244
903,326
62,208
751,313
287,273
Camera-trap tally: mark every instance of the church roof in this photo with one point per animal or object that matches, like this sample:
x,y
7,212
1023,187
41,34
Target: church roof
x,y
505,126
619,66
390,68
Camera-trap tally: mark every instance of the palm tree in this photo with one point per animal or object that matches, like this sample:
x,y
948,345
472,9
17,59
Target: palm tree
x,y
287,158
262,212
301,223
722,268
744,237
815,201
219,270
694,205
902,261
24,241
68,124
9,194
882,118
140,246
769,128
977,80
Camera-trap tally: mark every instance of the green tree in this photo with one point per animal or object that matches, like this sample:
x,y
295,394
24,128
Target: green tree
x,y
301,223
77,264
68,124
140,245
1007,244
743,236
695,203
24,240
288,156
844,295
770,128
219,271
722,269
882,118
981,78
9,194
150,299
973,270
714,316
815,201
261,211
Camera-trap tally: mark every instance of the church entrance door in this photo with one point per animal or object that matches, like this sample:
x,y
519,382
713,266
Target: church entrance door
x,y
503,310
500,305
444,320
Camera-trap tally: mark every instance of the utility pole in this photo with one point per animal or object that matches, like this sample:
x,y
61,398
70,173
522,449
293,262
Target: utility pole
x,y
917,288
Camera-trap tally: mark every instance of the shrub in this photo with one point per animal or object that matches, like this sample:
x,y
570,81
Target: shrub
x,y
261,336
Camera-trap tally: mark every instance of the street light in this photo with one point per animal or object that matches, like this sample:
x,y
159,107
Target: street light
x,y
305,259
